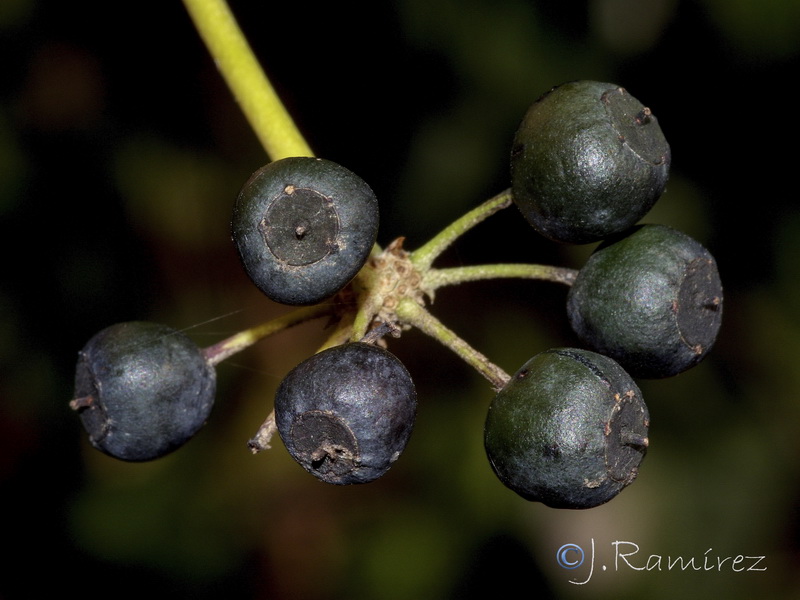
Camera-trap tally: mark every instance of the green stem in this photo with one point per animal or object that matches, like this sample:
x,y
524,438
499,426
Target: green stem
x,y
424,256
244,339
436,278
341,333
363,319
238,65
415,315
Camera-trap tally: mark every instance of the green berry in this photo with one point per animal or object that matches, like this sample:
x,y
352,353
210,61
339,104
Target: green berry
x,y
588,161
568,430
651,299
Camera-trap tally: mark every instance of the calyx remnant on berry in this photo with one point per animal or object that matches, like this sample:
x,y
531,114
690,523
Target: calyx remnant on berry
x,y
300,226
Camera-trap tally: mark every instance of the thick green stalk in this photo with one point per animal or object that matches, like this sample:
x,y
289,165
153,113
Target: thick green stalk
x,y
238,65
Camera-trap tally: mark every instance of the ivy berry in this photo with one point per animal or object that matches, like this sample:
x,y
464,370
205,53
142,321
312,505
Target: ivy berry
x,y
346,413
588,161
303,228
651,299
142,390
568,430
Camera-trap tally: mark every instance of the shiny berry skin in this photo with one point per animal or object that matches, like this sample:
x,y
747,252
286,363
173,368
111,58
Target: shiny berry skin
x,y
346,413
568,430
142,390
651,299
303,228
588,161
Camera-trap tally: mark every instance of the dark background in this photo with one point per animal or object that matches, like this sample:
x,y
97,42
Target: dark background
x,y
121,152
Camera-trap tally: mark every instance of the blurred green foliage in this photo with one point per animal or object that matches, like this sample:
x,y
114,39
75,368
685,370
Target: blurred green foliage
x,y
120,155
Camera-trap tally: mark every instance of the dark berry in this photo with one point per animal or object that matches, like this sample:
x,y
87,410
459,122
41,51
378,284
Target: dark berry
x,y
142,390
568,430
303,228
346,413
588,161
651,299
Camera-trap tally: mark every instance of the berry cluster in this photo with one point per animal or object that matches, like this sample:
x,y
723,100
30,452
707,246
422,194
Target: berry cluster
x,y
568,429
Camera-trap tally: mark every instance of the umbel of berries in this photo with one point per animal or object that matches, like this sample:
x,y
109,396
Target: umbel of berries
x,y
588,161
303,228
568,430
346,413
651,299
142,390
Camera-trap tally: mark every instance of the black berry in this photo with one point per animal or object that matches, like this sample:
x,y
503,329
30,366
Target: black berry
x,y
346,413
651,299
142,390
588,161
568,430
303,228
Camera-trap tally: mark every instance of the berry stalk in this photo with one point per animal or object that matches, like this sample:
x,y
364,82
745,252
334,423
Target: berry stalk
x,y
424,256
436,278
218,352
415,315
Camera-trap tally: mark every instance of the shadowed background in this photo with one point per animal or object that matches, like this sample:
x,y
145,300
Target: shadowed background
x,y
121,152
